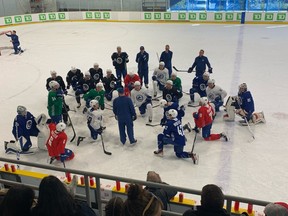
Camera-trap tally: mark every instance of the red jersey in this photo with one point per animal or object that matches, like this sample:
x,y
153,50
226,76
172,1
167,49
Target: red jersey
x,y
56,142
129,80
205,116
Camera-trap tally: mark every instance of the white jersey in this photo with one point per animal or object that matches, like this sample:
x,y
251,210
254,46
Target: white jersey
x,y
161,75
139,97
215,92
95,118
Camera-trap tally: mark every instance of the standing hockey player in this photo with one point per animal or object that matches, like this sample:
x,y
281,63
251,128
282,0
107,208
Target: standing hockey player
x,y
171,105
215,94
170,93
177,83
200,63
199,86
56,143
129,81
73,77
160,77
173,134
204,119
97,94
15,42
166,57
119,60
244,105
125,114
95,119
110,84
55,102
83,86
142,59
96,73
24,126
142,99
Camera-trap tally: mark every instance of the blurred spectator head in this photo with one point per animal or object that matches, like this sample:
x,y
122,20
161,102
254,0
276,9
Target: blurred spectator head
x,y
276,209
212,197
114,207
153,177
17,201
141,202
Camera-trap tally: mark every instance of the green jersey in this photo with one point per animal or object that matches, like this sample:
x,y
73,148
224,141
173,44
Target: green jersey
x,y
54,104
97,95
177,83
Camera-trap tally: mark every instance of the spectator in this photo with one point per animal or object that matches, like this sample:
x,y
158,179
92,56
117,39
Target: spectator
x,y
114,207
163,194
276,209
141,203
54,199
18,201
212,202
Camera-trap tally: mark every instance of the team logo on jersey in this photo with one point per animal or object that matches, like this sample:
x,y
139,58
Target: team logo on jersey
x,y
202,87
74,78
28,124
96,76
139,98
211,96
167,114
85,87
97,98
119,60
160,76
168,97
112,84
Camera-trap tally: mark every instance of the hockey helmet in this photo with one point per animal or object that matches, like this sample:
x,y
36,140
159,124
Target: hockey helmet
x,y
137,83
53,72
93,103
207,74
108,71
173,113
87,73
161,63
163,103
21,110
60,126
170,82
203,100
211,81
73,69
53,84
100,84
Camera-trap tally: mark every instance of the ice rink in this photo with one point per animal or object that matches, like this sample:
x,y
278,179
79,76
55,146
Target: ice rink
x,y
255,54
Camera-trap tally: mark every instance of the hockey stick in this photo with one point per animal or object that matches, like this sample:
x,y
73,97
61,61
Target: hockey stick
x,y
152,125
249,128
158,56
193,155
106,152
180,70
74,133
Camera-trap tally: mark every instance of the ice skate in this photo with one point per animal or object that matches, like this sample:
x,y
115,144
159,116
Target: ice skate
x,y
223,135
159,152
187,127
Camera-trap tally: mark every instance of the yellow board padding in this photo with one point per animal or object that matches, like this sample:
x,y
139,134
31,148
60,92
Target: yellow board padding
x,y
25,173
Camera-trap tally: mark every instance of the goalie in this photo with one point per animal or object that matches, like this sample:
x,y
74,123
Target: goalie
x,y
243,105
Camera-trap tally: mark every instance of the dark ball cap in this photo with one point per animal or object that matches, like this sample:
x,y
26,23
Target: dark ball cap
x,y
120,90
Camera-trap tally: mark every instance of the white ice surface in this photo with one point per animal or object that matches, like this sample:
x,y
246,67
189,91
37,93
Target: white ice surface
x,y
253,54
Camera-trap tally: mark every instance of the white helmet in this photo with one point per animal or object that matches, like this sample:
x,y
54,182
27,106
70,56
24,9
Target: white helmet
x,y
87,73
243,85
21,110
131,73
53,72
93,103
163,103
203,100
137,83
206,74
99,85
211,81
53,84
172,113
60,126
108,71
169,82
161,63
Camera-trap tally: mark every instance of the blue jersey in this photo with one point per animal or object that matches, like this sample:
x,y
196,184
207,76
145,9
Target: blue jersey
x,y
14,38
24,126
142,60
199,84
166,57
246,101
200,64
174,130
124,109
173,105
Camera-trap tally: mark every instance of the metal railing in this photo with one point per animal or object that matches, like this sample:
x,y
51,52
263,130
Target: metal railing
x,y
99,176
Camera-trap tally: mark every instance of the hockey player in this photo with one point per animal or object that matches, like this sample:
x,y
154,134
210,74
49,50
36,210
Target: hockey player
x,y
204,119
200,63
160,77
110,84
142,99
24,126
95,119
73,77
142,59
170,93
96,73
56,143
244,105
129,81
173,134
199,86
97,94
125,114
119,60
83,86
55,102
56,78
215,94
15,41
166,57
177,83
171,105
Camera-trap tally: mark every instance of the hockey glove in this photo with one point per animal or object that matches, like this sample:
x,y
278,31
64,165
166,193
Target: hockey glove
x,y
195,115
163,122
190,70
99,131
210,70
65,92
183,108
68,86
134,118
154,78
62,157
